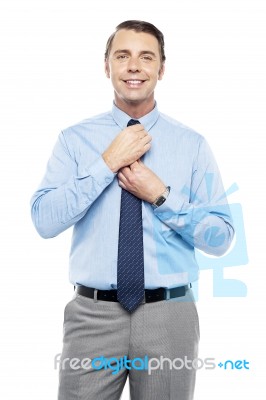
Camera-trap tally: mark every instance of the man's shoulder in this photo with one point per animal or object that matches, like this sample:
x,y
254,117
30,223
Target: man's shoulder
x,y
179,127
99,119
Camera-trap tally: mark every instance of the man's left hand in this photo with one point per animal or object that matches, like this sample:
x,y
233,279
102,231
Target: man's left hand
x,y
141,181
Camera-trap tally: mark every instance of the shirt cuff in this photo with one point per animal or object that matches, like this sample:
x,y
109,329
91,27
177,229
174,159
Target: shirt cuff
x,y
172,205
100,172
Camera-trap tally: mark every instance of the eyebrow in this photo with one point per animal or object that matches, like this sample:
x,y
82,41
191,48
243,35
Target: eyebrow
x,y
141,53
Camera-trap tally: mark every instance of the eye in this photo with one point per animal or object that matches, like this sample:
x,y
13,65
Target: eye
x,y
122,57
146,58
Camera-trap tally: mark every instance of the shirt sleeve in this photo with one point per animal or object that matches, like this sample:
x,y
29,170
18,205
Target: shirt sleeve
x,y
65,193
200,214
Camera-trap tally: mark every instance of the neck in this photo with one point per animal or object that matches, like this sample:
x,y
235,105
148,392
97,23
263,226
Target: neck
x,y
134,109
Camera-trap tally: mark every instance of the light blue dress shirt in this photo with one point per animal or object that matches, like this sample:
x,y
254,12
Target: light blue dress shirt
x,y
80,190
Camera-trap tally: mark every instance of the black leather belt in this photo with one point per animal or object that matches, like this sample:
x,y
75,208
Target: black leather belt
x,y
151,295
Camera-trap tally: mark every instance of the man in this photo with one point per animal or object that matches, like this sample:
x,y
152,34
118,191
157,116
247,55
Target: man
x,y
142,191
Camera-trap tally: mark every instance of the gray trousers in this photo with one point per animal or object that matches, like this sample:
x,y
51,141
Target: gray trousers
x,y
102,342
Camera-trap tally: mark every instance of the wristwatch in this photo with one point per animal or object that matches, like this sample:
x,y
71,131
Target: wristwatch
x,y
161,199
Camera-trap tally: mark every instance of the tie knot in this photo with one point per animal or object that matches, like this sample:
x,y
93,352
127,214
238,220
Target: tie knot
x,y
133,122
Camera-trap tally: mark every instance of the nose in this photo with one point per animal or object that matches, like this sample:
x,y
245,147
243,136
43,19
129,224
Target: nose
x,y
134,64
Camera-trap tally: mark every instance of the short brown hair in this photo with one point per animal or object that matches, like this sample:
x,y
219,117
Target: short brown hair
x,y
138,26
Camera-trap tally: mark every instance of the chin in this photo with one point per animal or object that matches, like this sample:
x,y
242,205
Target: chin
x,y
136,98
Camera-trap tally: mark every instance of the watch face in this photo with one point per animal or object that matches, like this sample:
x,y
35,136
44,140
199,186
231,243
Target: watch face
x,y
160,201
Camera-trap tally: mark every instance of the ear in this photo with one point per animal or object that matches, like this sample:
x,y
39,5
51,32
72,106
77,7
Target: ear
x,y
107,69
161,72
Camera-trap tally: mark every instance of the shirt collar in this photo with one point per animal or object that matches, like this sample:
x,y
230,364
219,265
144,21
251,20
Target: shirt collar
x,y
148,120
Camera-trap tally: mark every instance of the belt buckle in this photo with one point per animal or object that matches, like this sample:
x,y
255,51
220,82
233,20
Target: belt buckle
x,y
167,294
95,295
144,299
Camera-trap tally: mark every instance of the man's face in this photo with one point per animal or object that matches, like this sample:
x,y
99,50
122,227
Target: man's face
x,y
134,66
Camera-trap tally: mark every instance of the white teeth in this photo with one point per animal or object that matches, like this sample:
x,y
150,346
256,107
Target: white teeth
x,y
134,82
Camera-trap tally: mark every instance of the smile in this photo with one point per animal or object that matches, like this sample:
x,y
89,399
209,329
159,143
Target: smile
x,y
134,82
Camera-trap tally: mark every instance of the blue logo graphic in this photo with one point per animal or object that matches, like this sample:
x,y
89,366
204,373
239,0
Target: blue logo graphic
x,y
214,239
229,364
236,256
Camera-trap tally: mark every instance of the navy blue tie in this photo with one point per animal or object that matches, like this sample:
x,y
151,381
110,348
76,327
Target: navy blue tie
x,y
130,266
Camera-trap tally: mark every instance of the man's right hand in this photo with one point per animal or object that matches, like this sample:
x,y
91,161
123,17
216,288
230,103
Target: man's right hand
x,y
128,146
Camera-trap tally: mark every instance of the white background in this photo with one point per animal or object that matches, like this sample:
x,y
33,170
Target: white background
x,y
51,77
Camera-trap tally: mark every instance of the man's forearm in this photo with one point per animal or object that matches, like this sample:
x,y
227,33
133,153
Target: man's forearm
x,y
207,228
54,210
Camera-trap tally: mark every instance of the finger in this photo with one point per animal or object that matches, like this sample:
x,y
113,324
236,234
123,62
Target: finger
x,y
134,167
141,163
134,164
137,128
121,184
125,174
123,170
147,141
147,147
147,138
121,176
143,134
